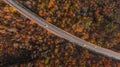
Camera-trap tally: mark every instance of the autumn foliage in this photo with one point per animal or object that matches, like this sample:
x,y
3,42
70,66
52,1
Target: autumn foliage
x,y
23,43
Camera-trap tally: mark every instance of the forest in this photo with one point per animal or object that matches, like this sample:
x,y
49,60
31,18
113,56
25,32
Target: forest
x,y
25,44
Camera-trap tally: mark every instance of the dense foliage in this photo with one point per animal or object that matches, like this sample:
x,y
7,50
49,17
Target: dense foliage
x,y
24,43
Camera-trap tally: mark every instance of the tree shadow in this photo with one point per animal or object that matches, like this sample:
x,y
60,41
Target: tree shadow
x,y
24,56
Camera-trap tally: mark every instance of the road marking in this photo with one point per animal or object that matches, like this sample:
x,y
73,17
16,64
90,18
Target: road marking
x,y
46,25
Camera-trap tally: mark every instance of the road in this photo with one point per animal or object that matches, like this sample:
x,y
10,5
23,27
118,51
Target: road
x,y
61,33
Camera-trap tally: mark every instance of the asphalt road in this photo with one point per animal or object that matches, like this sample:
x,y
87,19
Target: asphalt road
x,y
61,33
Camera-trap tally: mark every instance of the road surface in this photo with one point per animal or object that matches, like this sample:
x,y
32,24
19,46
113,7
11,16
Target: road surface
x,y
61,33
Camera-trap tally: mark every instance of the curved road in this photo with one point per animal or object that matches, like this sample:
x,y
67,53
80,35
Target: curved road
x,y
61,33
